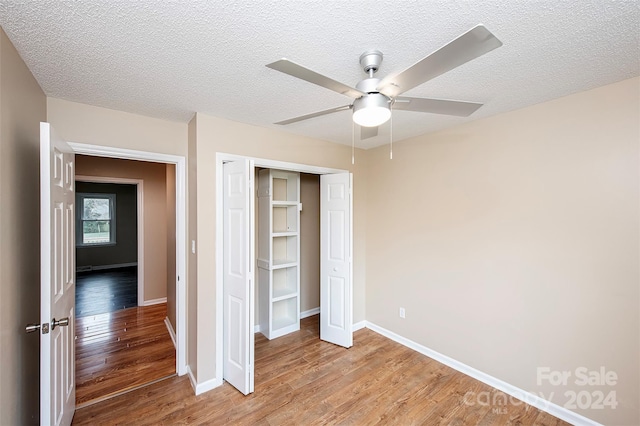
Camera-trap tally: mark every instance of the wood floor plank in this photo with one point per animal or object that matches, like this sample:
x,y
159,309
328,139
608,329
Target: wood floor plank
x,y
301,380
546,419
106,290
121,350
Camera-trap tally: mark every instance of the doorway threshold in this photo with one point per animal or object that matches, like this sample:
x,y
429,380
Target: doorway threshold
x,y
122,392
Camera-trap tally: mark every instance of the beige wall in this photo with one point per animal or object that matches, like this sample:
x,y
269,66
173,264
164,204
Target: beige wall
x,y
512,242
93,125
22,108
309,242
155,229
219,135
171,243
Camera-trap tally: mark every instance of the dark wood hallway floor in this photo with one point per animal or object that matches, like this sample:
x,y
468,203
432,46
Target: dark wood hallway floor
x,y
98,292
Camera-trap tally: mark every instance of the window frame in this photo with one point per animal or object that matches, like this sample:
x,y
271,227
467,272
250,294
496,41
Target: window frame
x,y
80,197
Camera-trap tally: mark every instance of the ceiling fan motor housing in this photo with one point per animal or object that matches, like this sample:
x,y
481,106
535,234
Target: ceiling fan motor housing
x,y
368,85
371,60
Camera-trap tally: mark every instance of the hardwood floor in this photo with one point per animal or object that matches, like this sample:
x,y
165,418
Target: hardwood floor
x,y
98,292
301,380
121,350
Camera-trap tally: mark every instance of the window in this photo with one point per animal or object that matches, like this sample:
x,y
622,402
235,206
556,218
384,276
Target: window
x,y
96,223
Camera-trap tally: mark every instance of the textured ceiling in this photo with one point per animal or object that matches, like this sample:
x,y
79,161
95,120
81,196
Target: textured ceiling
x,y
169,59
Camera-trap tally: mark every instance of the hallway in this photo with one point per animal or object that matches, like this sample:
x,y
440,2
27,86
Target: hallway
x,y
119,346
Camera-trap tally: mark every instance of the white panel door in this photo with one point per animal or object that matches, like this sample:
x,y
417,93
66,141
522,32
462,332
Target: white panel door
x,y
57,279
238,271
336,294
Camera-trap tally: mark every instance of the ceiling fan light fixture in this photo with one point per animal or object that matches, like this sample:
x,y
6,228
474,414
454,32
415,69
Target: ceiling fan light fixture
x,y
371,110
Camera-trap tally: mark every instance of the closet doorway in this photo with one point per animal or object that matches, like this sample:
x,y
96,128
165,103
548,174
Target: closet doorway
x,y
236,261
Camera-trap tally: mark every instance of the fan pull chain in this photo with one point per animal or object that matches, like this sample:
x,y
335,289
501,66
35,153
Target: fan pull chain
x,y
353,142
391,132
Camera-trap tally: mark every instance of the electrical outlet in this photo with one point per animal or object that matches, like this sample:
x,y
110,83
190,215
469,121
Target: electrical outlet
x,y
402,313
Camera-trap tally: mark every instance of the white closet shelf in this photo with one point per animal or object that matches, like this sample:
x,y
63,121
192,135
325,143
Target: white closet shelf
x,y
283,263
284,234
284,203
284,297
282,322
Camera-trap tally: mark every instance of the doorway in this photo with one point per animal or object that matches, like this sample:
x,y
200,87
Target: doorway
x,y
178,283
122,329
57,281
234,176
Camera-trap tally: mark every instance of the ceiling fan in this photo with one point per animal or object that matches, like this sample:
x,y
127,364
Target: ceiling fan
x,y
374,98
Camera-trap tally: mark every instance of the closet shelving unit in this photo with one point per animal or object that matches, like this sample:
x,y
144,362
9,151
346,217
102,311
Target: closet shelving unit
x,y
278,252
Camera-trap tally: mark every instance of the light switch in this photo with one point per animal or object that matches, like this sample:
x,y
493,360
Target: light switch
x,y
193,246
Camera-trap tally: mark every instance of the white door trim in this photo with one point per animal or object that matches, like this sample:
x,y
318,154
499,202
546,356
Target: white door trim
x,y
181,230
221,158
140,219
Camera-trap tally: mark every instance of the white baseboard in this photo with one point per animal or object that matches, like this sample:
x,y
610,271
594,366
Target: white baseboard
x,y
101,267
309,313
527,397
207,386
257,328
154,301
171,332
191,378
200,388
358,325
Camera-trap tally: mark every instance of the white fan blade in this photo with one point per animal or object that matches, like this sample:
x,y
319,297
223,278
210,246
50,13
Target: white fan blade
x,y
295,70
313,115
470,45
368,132
436,106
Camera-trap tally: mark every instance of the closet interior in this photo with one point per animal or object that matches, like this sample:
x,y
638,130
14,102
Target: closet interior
x,y
287,250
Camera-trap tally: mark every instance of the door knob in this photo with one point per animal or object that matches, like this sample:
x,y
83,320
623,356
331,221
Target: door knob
x,y
61,323
335,269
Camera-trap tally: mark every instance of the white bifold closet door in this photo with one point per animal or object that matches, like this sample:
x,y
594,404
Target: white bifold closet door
x,y
238,274
336,291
